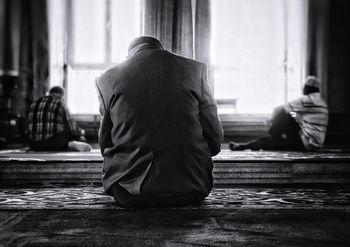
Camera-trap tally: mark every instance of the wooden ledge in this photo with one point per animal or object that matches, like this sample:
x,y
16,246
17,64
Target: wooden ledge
x,y
230,168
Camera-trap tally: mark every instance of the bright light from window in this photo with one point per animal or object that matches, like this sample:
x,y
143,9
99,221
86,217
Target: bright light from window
x,y
257,49
99,36
88,31
126,26
81,88
249,50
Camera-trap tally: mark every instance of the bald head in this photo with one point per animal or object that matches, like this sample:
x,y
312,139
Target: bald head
x,y
143,42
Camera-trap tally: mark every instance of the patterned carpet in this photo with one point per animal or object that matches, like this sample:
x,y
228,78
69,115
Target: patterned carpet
x,y
92,197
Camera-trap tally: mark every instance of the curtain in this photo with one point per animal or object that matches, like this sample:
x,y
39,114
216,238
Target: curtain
x,y
202,31
202,36
317,42
171,22
182,26
24,51
10,36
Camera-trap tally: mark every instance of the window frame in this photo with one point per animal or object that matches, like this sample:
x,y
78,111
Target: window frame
x,y
285,64
107,45
73,65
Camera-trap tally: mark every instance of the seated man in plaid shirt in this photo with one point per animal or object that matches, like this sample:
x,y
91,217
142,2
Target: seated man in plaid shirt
x,y
50,126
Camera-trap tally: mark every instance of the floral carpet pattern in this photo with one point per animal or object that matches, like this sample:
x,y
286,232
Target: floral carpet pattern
x,y
92,197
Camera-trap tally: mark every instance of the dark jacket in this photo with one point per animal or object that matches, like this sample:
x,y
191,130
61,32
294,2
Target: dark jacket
x,y
160,125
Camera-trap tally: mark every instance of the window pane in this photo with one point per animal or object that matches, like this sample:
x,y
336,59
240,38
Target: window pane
x,y
81,91
89,38
296,40
125,26
57,31
89,31
247,53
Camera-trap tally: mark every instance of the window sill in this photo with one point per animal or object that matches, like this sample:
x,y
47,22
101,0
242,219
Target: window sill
x,y
239,127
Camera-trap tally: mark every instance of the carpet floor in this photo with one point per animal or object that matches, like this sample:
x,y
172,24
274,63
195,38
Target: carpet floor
x,y
92,197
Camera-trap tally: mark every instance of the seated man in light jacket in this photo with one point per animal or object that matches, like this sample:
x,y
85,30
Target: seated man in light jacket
x,y
159,128
300,124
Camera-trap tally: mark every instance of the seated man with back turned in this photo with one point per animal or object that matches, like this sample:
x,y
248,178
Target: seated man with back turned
x,y
159,128
298,125
50,126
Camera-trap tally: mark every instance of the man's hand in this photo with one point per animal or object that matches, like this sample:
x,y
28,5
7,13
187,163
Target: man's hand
x,y
296,116
81,137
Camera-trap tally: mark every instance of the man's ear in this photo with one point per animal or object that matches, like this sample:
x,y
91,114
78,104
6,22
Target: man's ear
x,y
62,98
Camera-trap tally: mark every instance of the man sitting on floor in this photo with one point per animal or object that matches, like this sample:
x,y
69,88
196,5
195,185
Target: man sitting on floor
x,y
50,126
159,128
298,125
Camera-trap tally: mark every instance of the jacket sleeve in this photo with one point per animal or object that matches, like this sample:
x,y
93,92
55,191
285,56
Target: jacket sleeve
x,y
104,133
212,129
296,105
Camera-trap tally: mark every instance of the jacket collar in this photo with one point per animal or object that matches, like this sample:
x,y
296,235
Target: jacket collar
x,y
142,47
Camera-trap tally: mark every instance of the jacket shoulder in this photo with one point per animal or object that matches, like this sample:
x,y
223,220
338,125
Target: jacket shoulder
x,y
188,60
110,74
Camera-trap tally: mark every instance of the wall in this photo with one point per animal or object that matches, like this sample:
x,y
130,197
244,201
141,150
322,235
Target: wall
x,y
338,68
339,57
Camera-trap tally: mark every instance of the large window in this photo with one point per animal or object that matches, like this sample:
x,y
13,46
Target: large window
x,y
98,38
257,52
257,49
